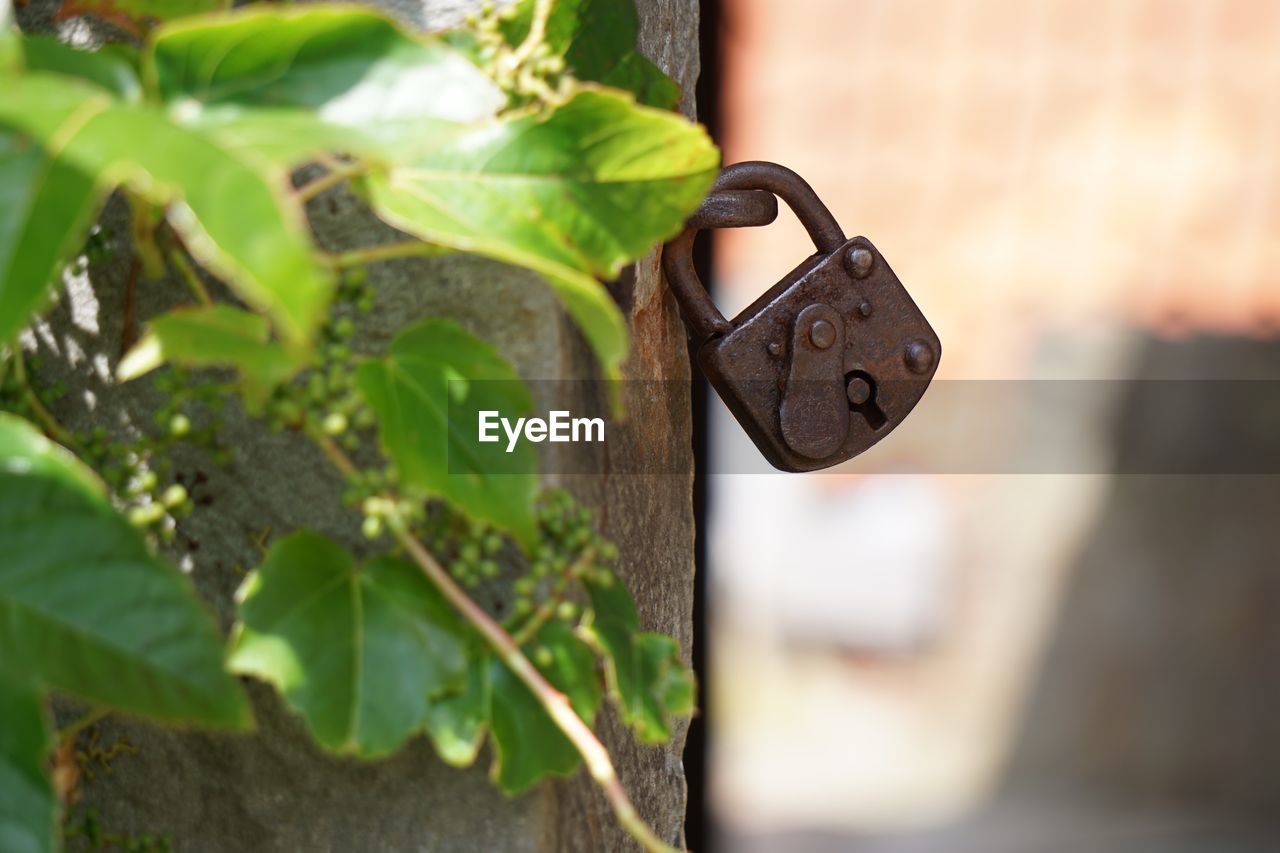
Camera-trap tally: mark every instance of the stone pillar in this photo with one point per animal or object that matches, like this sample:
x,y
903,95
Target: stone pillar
x,y
274,789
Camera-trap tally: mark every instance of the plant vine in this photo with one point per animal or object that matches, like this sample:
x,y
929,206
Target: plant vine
x,y
527,664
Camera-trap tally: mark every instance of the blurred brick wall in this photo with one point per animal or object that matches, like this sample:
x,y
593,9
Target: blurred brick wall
x,y
1023,163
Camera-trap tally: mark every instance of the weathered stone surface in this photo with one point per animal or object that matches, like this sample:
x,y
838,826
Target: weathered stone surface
x,y
274,790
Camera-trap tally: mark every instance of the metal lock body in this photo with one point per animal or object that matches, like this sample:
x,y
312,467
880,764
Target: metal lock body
x,y
830,359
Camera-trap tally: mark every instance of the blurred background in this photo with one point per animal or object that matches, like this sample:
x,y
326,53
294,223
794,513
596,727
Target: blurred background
x,y
1044,615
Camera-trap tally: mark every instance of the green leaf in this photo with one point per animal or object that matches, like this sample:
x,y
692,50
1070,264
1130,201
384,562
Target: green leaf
x,y
229,208
46,208
527,743
25,452
597,39
139,16
645,675
457,721
574,193
86,608
113,68
428,392
572,667
357,651
220,335
28,806
295,81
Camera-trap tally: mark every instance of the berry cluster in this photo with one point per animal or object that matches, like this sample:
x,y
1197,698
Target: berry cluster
x,y
470,549
570,550
140,470
325,400
137,469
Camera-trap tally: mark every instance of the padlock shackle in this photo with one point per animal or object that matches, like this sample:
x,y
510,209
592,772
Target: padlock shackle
x,y
700,312
742,196
826,233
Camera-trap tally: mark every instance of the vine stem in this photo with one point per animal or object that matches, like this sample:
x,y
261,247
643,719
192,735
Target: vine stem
x,y
334,176
50,424
557,706
537,34
190,276
384,252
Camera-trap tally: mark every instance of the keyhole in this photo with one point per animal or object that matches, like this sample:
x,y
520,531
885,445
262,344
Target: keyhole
x,y
861,390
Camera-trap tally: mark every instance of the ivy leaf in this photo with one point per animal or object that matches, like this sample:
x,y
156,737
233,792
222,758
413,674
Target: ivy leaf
x,y
46,208
527,743
597,39
570,665
229,208
573,192
86,608
138,16
28,806
294,81
457,721
644,672
111,67
358,651
427,392
214,336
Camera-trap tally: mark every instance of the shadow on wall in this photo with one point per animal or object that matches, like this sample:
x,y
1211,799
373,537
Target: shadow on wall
x,y
1153,726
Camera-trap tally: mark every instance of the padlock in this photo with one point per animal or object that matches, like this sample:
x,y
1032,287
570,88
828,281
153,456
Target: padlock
x,y
830,359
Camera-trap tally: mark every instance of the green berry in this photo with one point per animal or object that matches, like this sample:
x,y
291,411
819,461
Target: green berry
x,y
144,482
372,527
567,611
179,425
335,423
489,568
542,656
174,496
146,515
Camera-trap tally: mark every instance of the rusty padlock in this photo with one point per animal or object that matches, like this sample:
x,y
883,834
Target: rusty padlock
x,y
830,359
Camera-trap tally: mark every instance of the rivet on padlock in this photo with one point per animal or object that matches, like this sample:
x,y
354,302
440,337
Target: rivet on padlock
x,y
830,359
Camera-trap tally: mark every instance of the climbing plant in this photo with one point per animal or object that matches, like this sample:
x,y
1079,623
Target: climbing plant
x,y
537,136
